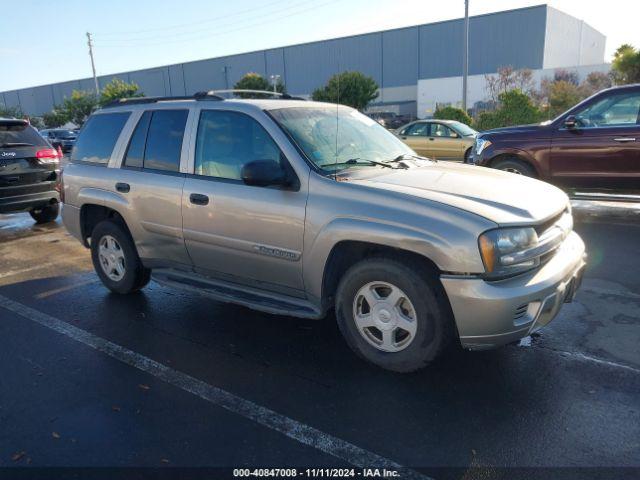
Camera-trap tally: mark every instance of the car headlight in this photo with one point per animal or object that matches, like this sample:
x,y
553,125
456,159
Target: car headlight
x,y
509,251
481,144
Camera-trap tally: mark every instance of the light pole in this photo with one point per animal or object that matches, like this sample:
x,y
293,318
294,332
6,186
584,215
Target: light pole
x,y
465,64
274,81
93,65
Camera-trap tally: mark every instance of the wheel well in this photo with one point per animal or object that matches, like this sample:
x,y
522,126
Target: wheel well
x,y
347,253
514,156
91,215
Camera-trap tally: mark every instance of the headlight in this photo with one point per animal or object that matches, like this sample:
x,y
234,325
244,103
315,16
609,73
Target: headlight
x,y
481,144
508,251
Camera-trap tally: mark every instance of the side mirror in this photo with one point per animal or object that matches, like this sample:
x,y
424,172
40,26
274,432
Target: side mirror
x,y
570,122
264,173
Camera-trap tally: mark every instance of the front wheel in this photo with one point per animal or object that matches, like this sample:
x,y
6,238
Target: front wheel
x,y
514,165
393,315
45,214
115,258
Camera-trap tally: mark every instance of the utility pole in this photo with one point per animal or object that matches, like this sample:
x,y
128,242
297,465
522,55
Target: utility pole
x,y
93,65
225,70
274,81
465,65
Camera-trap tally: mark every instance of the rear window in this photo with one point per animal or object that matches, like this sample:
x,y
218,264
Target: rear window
x,y
98,137
19,134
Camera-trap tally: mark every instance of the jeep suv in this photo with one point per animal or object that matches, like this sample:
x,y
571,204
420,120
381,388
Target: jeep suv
x,y
29,172
593,146
297,208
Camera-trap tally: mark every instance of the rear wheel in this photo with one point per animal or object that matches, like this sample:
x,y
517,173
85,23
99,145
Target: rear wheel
x,y
393,315
45,214
514,165
115,258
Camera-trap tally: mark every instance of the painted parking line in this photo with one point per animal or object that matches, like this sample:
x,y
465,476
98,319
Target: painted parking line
x,y
293,429
41,266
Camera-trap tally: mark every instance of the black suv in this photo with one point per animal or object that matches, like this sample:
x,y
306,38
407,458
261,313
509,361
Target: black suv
x,y
60,137
29,172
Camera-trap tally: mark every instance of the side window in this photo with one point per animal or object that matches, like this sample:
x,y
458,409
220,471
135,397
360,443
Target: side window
x,y
135,152
417,129
98,137
226,141
439,130
620,109
156,142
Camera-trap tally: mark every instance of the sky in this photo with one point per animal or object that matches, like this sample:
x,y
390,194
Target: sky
x,y
45,42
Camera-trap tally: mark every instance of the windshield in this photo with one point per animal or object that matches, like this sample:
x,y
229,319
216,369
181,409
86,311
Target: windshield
x,y
463,129
333,135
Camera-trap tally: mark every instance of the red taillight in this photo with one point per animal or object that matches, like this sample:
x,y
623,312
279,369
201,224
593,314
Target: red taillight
x,y
47,153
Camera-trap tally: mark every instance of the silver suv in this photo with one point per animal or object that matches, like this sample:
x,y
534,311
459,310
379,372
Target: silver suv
x,y
296,207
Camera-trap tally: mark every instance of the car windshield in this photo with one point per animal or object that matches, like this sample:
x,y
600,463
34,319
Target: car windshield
x,y
331,136
464,130
64,133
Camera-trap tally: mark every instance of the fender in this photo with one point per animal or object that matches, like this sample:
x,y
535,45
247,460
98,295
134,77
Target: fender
x,y
525,155
440,249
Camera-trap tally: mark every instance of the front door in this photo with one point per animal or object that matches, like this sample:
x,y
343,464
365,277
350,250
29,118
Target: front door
x,y
445,144
240,233
603,150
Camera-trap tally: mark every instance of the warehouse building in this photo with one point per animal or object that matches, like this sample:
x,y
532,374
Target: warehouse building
x,y
416,67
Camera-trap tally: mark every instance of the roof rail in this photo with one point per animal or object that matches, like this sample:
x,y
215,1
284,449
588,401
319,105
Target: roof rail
x,y
144,100
283,96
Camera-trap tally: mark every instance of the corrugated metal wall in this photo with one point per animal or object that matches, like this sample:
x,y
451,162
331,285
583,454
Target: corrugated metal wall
x,y
394,58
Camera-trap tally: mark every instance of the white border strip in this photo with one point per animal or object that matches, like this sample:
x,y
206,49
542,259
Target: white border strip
x,y
293,429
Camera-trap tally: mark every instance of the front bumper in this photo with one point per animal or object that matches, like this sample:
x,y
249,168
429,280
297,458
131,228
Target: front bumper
x,y
490,314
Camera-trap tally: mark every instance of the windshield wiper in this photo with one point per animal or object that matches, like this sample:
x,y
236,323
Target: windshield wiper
x,y
365,161
402,156
16,144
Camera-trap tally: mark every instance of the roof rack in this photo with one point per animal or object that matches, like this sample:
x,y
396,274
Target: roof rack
x,y
143,100
283,96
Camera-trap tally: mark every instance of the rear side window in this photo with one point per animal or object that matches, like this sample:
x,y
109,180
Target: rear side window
x,y
157,141
19,134
98,137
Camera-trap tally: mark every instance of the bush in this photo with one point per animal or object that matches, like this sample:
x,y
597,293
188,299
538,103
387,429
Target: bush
x,y
348,88
255,81
516,108
452,113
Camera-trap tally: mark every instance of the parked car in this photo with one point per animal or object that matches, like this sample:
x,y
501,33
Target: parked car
x,y
297,208
388,120
29,171
60,137
439,139
594,145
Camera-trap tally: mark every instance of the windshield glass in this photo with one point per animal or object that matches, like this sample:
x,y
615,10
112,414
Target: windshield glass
x,y
331,136
463,129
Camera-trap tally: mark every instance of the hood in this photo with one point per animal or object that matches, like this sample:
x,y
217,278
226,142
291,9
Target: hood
x,y
535,127
504,198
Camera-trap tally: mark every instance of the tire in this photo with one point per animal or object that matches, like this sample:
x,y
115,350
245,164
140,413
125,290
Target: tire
x,y
115,259
466,155
45,214
428,307
514,165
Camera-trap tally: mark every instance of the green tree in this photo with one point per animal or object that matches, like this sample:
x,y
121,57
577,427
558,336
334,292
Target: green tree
x,y
562,96
255,81
515,108
55,118
625,67
452,113
348,88
117,89
79,106
10,112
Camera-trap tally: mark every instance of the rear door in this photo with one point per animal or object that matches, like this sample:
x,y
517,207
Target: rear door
x,y
603,150
27,163
416,136
151,181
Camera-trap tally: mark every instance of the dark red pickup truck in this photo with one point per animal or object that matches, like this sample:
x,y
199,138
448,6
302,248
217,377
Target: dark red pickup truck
x,y
593,146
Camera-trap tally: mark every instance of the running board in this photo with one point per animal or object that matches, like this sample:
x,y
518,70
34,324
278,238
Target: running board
x,y
253,298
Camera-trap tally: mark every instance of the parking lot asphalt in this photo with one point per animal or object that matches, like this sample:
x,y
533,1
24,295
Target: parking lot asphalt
x,y
166,378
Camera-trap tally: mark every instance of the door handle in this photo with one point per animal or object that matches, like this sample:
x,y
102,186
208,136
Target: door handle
x,y
404,138
123,187
199,199
431,139
624,139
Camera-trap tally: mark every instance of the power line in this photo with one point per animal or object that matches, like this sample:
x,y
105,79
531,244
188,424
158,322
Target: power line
x,y
109,41
217,33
